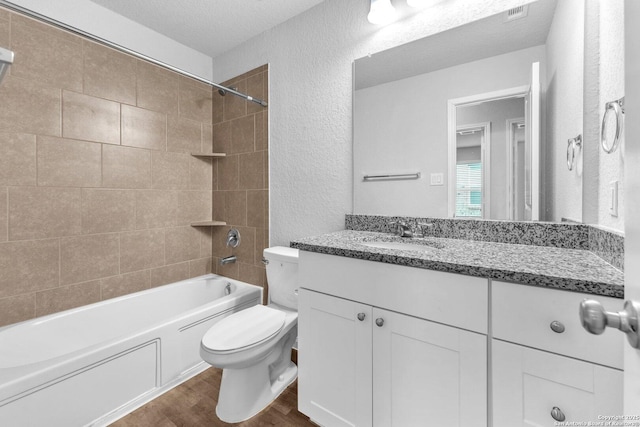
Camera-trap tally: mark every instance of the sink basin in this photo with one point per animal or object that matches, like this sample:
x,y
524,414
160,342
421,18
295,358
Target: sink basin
x,y
424,246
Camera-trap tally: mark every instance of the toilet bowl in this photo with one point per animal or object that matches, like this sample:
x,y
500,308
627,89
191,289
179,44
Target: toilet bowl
x,y
253,346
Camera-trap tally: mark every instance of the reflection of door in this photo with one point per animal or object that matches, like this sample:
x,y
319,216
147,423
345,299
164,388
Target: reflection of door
x,y
472,172
532,146
516,168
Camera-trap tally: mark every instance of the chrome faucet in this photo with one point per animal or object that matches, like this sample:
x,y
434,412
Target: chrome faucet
x,y
228,260
402,229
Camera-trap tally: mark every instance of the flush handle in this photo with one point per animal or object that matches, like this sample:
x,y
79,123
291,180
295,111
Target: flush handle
x,y
380,321
557,327
557,414
361,316
595,319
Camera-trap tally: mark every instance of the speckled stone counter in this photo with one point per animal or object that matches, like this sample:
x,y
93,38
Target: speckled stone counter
x,y
560,268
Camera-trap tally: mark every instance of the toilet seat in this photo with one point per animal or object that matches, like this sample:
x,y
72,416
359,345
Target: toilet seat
x,y
244,329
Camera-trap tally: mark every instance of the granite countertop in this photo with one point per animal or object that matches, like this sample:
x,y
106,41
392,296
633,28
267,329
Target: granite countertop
x,y
569,269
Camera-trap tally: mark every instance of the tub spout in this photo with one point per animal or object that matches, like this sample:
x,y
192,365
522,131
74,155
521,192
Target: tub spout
x,y
228,260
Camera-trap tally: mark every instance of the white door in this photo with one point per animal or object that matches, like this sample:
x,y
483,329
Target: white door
x,y
632,197
532,146
427,374
334,361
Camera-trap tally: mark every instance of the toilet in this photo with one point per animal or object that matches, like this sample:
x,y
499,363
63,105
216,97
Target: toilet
x,y
253,346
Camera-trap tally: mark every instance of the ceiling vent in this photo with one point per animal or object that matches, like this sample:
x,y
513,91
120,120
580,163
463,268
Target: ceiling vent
x,y
516,13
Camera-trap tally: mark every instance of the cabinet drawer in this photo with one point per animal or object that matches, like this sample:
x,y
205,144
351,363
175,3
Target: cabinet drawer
x,y
524,314
528,384
451,299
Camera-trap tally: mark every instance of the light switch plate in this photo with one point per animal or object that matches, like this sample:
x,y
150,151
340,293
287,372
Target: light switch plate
x,y
437,179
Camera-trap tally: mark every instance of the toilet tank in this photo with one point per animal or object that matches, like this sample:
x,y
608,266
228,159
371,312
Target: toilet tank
x,y
282,276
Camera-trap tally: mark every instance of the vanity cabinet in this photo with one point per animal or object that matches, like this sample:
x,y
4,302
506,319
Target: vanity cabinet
x,y
546,369
384,345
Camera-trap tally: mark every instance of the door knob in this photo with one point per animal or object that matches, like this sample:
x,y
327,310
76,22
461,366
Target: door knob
x,y
361,316
595,319
557,414
379,321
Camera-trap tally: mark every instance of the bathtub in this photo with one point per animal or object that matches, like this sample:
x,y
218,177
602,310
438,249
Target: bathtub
x,y
94,364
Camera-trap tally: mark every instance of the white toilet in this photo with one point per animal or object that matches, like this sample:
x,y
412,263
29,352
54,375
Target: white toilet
x,y
253,346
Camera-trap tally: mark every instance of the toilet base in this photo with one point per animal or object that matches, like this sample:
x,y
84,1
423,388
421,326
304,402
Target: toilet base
x,y
246,392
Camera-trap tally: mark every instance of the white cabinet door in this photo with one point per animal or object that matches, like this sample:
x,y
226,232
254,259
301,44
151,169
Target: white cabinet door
x,y
334,361
528,384
427,374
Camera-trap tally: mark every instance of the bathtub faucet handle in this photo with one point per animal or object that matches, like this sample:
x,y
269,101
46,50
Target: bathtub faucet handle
x,y
233,238
228,260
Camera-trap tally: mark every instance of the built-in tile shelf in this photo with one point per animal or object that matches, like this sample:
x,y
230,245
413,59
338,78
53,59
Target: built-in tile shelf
x,y
208,224
209,154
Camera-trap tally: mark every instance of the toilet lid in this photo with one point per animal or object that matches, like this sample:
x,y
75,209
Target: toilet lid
x,y
244,328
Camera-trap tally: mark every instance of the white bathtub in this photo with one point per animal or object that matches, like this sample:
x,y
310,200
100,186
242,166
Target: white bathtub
x,y
93,364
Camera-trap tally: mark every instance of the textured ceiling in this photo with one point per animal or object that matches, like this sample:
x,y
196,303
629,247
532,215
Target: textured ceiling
x,y
209,26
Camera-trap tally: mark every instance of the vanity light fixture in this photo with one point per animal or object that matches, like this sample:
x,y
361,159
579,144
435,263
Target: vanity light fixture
x,y
381,12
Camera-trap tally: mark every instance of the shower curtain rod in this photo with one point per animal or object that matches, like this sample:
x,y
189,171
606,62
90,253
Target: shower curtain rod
x,y
131,52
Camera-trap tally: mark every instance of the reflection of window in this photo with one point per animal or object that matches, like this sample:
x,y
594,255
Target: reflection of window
x,y
469,189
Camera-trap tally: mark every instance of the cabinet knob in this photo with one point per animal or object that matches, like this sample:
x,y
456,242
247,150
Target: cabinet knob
x,y
361,316
557,414
379,321
557,327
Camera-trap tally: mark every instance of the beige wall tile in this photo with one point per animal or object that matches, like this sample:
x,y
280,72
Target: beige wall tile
x,y
236,208
169,274
262,242
156,208
184,135
219,203
4,214
195,100
46,54
234,106
246,251
5,29
67,297
214,174
222,137
200,173
181,244
141,250
170,170
199,267
157,88
243,135
265,159
28,266
105,211
250,171
125,167
17,159
38,212
144,128
89,257
28,107
89,118
193,206
207,138
205,241
257,206
227,270
251,274
124,284
109,74
217,106
17,308
69,163
262,130
219,240
228,173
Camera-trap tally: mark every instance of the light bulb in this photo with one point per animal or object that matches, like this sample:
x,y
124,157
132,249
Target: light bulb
x,y
381,12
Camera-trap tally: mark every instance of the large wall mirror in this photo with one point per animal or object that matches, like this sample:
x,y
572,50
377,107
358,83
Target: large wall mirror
x,y
474,121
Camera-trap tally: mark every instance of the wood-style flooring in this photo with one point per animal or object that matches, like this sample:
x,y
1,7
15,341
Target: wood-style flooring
x,y
193,404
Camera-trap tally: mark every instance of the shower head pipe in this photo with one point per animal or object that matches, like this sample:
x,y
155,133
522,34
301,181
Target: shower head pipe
x,y
32,14
6,59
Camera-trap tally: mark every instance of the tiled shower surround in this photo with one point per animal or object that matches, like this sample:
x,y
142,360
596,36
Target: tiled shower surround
x,y
97,184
